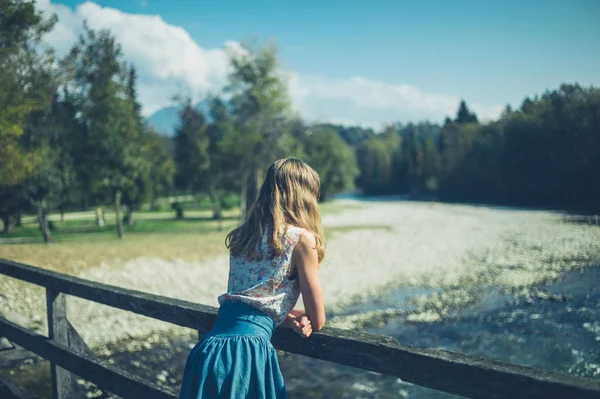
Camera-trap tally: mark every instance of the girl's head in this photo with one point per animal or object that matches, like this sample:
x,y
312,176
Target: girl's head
x,y
289,196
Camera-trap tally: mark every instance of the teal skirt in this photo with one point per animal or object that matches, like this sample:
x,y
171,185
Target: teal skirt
x,y
235,359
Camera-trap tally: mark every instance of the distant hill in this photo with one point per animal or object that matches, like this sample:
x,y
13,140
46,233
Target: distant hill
x,y
165,120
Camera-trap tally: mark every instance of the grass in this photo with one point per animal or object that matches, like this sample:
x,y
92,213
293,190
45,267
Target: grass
x,y
337,207
79,244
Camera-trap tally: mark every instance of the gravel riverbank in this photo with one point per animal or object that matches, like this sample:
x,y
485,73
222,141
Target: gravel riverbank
x,y
379,246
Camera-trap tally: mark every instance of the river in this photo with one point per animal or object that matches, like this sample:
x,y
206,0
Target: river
x,y
510,284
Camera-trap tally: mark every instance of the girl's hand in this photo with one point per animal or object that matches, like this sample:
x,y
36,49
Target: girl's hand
x,y
302,326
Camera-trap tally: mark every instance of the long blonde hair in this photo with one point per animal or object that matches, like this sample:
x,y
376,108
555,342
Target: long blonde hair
x,y
288,196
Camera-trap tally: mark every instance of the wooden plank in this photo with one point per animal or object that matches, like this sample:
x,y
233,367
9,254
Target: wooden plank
x,y
446,371
4,343
183,313
13,357
10,390
104,375
58,331
10,358
76,342
451,372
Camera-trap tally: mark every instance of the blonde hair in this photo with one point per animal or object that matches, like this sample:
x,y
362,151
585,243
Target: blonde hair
x,y
288,196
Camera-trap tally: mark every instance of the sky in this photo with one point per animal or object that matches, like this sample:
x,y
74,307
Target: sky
x,y
354,62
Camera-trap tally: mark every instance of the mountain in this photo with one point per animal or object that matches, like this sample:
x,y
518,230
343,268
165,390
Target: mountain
x,y
165,120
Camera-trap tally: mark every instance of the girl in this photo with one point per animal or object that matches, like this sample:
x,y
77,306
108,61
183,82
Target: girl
x,y
274,256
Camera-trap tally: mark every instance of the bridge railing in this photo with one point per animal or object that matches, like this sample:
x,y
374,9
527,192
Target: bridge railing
x,y
456,373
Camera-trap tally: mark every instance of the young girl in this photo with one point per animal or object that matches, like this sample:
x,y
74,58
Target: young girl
x,y
274,256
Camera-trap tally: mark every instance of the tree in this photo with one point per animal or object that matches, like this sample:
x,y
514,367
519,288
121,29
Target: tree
x,y
260,108
352,135
191,150
162,167
110,159
139,189
332,158
375,157
431,165
412,156
222,170
464,115
49,133
23,60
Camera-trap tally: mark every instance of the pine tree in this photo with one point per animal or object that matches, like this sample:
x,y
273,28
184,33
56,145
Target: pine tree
x,y
464,115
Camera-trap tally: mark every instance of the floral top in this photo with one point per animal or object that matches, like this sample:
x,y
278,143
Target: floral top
x,y
266,284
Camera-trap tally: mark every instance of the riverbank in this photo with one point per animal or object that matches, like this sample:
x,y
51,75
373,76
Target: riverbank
x,y
391,266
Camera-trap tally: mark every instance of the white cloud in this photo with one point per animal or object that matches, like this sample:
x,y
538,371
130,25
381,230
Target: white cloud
x,y
168,59
366,102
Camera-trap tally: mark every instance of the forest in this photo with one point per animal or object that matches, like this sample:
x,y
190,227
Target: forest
x,y
72,137
546,153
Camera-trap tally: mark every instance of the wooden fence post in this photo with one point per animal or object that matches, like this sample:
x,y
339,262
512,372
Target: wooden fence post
x,y
58,331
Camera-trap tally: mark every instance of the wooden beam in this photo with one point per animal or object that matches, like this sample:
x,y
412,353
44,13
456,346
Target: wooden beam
x,y
10,358
10,390
457,373
183,313
446,371
58,331
77,344
104,375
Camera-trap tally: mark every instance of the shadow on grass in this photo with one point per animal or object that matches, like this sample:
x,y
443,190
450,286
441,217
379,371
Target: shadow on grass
x,y
69,231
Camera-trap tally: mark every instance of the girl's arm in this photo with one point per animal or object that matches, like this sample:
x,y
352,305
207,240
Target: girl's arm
x,y
306,262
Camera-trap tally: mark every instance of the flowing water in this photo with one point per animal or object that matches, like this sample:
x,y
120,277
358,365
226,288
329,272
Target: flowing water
x,y
557,329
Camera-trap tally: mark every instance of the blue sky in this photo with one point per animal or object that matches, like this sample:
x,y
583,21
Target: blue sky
x,y
431,52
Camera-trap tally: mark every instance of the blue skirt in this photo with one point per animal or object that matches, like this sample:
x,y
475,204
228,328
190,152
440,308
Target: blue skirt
x,y
235,359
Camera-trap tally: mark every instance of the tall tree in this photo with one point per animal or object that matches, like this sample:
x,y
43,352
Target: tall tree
x,y
191,150
260,107
162,166
222,172
137,190
332,158
112,159
464,114
49,133
375,161
23,60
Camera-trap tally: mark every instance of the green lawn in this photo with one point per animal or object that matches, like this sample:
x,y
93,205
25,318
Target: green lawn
x,y
78,243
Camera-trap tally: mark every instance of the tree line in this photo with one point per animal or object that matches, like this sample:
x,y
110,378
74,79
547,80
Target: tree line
x,y
545,153
72,135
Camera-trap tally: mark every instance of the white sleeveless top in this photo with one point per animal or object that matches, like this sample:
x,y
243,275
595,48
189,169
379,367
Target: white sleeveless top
x,y
266,284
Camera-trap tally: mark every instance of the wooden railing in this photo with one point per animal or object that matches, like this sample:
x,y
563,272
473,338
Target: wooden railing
x,y
451,372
